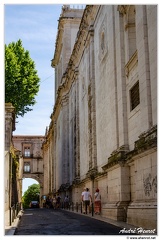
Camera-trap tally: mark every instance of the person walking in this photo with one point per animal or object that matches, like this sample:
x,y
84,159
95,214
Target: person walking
x,y
66,202
97,202
86,198
58,201
54,202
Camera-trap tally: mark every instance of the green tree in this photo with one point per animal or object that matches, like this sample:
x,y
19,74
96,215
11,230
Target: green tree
x,y
32,194
21,79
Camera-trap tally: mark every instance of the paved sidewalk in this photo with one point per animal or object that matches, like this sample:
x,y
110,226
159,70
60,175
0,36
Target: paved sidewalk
x,y
108,220
10,230
120,224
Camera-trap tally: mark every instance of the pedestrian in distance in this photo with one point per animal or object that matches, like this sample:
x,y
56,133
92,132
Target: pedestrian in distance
x,y
48,202
54,202
97,202
86,199
58,201
66,202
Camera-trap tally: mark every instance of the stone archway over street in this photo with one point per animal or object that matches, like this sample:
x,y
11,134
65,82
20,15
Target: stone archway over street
x,y
33,164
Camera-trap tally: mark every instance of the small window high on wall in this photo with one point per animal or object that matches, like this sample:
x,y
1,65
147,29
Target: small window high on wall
x,y
26,167
27,151
134,96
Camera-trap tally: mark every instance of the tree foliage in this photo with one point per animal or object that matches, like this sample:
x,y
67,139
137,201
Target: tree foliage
x,y
21,79
32,194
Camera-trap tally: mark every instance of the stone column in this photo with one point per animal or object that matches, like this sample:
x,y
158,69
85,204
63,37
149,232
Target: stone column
x,y
54,159
92,104
65,139
49,163
76,131
121,81
143,67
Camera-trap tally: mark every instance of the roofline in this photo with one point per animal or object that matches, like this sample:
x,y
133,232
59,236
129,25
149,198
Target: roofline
x,y
31,136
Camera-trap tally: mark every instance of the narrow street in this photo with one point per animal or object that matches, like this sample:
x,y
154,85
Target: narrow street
x,y
61,222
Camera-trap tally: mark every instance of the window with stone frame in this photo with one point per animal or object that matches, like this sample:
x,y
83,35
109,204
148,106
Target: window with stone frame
x,y
26,167
27,152
134,96
129,22
131,31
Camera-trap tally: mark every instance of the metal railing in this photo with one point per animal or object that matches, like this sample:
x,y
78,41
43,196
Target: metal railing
x,y
14,210
77,207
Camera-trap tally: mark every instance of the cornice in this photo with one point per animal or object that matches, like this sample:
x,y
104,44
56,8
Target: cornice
x,y
131,63
70,75
58,45
123,9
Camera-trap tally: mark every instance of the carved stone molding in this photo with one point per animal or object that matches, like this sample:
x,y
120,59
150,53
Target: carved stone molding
x,y
131,63
146,141
122,9
129,25
75,56
64,100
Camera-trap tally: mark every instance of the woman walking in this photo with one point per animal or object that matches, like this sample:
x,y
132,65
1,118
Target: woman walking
x,y
97,202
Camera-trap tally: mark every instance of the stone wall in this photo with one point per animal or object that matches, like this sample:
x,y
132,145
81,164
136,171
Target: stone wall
x,y
143,181
9,128
108,128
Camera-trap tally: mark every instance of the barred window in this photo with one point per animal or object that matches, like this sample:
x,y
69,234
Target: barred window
x,y
134,96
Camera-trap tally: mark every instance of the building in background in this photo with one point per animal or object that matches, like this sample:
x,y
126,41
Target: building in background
x,y
33,163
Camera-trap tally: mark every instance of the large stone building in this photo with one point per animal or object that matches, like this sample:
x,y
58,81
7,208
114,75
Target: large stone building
x,y
103,130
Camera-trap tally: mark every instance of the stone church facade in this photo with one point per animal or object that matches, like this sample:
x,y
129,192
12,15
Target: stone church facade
x,y
103,130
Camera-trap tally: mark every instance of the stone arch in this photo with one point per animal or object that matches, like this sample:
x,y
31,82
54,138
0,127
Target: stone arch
x,y
36,177
39,178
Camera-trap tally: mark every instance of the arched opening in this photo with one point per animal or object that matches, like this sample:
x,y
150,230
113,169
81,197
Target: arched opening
x,y
27,182
30,192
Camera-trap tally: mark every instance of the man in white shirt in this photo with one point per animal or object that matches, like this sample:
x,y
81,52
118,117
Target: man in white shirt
x,y
86,198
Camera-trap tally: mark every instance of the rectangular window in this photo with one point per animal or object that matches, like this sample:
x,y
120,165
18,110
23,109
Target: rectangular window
x,y
26,167
27,151
134,96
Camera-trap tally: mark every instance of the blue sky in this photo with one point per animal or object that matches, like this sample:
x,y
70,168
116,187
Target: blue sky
x,y
36,25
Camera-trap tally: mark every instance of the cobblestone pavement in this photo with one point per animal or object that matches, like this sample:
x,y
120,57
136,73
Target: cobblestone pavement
x,y
60,222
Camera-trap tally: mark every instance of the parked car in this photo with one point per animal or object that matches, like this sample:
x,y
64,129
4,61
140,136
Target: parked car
x,y
34,204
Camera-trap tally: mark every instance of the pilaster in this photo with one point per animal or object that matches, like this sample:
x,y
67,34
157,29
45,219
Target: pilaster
x,y
9,124
77,132
92,103
65,138
144,67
